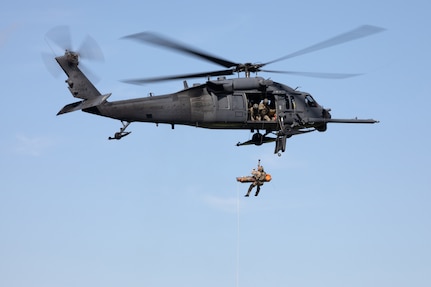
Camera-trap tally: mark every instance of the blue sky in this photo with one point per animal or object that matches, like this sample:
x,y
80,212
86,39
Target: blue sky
x,y
349,207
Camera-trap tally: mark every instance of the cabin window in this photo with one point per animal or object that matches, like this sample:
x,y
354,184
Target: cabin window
x,y
238,102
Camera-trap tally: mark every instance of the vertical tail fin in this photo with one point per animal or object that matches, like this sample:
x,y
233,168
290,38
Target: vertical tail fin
x,y
79,85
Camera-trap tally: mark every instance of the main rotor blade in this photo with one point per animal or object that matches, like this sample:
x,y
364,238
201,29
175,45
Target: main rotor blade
x,y
177,77
360,32
315,75
171,44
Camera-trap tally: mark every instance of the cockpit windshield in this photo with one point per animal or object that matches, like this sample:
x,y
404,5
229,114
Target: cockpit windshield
x,y
309,101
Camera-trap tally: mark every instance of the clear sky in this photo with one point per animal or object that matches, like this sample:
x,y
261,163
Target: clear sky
x,y
161,207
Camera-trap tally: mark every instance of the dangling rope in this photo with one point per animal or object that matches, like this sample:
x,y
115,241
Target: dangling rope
x,y
237,235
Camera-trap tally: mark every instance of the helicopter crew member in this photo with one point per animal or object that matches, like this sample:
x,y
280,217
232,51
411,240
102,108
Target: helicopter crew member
x,y
264,110
259,177
254,113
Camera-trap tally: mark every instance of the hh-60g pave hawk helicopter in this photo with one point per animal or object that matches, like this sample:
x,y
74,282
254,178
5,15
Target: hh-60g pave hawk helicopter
x,y
218,103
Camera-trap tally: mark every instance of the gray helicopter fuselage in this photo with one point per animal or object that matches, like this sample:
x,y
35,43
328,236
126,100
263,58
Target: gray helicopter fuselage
x,y
217,104
222,103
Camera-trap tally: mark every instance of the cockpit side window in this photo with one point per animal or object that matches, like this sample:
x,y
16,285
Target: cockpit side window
x,y
310,102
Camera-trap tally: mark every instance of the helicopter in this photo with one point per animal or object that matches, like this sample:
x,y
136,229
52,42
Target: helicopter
x,y
219,103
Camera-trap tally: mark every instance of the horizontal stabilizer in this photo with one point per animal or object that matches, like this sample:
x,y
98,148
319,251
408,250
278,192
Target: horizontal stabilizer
x,y
85,104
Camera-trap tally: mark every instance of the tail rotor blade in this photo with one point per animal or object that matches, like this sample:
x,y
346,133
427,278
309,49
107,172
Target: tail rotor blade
x,y
88,73
51,65
91,50
60,36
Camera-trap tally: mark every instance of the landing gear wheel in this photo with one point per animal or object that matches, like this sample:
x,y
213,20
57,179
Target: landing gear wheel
x,y
122,133
257,139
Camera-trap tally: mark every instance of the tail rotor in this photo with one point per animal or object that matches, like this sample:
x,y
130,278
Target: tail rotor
x,y
60,36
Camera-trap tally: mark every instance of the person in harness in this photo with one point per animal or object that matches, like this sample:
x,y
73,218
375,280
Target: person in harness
x,y
259,177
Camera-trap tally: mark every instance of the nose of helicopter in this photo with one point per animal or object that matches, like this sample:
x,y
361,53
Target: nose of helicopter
x,y
326,113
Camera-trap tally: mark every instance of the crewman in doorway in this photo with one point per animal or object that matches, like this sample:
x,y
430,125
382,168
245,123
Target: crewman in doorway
x,y
264,110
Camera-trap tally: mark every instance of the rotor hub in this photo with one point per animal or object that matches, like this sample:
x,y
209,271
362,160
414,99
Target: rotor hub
x,y
72,57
